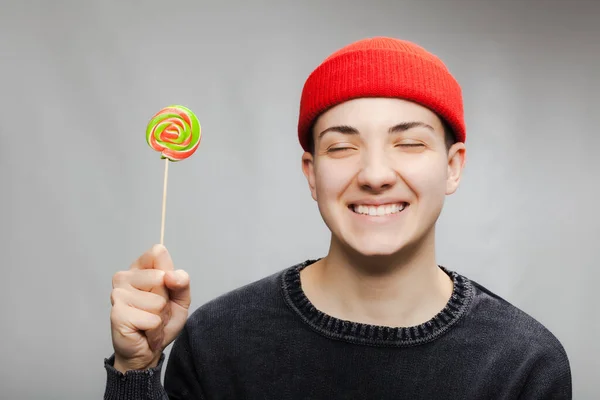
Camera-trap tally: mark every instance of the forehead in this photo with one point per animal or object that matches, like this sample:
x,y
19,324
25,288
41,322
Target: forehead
x,y
368,114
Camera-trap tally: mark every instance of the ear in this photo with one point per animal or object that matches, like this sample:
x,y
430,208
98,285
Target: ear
x,y
456,163
308,168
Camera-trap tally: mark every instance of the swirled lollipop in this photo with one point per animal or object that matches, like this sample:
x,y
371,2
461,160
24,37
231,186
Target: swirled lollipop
x,y
175,132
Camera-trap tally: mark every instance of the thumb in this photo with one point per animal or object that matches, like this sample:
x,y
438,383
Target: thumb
x,y
178,284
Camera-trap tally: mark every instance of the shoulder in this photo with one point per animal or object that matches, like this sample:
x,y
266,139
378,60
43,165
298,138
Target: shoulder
x,y
239,306
494,313
518,336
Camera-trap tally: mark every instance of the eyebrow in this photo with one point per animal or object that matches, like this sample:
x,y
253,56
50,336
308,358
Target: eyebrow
x,y
341,129
405,126
402,127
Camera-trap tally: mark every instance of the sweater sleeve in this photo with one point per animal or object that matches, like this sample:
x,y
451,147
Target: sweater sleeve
x,y
181,380
138,385
550,377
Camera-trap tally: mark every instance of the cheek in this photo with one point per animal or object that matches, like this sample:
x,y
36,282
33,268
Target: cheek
x,y
426,178
331,180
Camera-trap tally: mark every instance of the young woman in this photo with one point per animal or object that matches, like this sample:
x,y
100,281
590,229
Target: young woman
x,y
382,128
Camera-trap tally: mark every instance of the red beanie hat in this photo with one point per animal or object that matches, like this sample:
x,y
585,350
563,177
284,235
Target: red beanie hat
x,y
381,67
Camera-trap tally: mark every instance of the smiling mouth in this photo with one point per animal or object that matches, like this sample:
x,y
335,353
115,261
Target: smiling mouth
x,y
378,211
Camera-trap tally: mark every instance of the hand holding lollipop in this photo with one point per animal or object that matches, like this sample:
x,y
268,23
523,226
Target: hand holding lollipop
x,y
150,301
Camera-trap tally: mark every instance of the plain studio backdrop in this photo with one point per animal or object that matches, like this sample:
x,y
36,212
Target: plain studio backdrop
x,y
82,191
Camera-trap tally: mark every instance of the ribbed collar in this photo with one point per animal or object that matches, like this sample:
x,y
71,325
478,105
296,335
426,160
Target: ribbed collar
x,y
374,335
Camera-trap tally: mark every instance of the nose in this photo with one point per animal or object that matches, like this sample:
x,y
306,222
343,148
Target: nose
x,y
376,173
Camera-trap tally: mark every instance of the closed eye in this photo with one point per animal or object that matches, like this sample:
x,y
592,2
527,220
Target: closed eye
x,y
411,145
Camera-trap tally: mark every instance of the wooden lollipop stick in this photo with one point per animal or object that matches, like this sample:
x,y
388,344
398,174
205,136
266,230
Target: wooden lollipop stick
x,y
164,204
175,132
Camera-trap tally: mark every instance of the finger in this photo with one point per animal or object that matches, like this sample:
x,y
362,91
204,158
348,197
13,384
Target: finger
x,y
147,279
146,260
143,279
162,260
157,257
178,285
146,301
134,318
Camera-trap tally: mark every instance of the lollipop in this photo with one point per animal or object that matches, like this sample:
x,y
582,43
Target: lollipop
x,y
175,132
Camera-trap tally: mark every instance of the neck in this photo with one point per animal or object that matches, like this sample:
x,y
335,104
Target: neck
x,y
406,289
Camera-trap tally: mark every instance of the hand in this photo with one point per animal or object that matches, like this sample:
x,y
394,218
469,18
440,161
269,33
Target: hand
x,y
150,303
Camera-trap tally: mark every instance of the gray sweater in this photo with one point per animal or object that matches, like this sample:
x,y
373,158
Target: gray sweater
x,y
267,341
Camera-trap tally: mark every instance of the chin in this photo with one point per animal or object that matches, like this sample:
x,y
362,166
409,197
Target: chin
x,y
377,249
380,245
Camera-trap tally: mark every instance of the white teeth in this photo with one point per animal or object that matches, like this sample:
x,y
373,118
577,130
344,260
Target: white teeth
x,y
378,210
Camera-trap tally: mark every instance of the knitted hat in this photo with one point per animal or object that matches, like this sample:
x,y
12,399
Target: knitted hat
x,y
381,67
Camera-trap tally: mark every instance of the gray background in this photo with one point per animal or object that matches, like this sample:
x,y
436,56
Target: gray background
x,y
81,190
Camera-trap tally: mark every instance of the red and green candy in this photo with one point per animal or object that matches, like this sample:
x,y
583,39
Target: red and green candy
x,y
175,132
